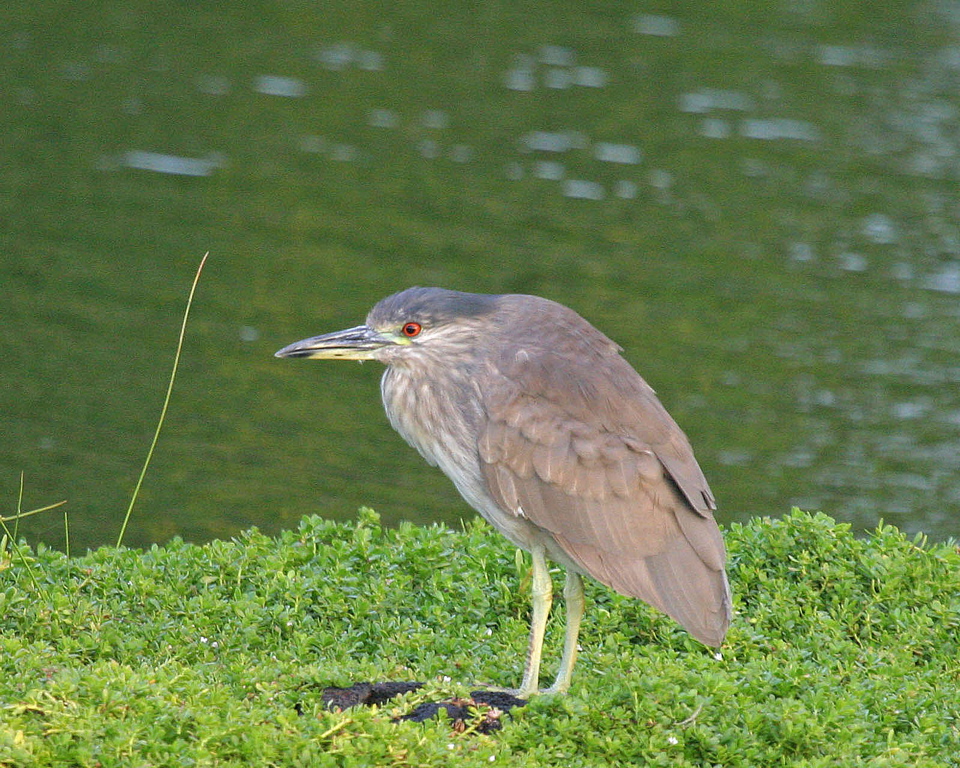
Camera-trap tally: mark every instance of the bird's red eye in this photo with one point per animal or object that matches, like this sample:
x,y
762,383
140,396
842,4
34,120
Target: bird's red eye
x,y
411,329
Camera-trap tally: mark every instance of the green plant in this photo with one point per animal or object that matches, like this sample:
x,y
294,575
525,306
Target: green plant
x,y
844,651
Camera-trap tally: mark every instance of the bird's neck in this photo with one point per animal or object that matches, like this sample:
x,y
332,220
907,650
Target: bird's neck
x,y
433,412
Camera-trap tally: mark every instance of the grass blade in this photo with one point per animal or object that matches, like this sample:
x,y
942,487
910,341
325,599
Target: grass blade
x,y
166,401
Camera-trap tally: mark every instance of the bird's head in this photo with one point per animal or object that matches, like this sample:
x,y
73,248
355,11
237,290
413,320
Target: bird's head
x,y
406,327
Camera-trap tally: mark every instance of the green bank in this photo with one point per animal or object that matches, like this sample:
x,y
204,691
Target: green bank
x,y
843,651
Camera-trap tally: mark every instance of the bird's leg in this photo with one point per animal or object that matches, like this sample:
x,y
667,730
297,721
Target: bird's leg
x,y
573,599
542,594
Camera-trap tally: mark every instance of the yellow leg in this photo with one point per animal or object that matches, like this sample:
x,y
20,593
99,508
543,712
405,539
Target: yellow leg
x,y
573,599
542,599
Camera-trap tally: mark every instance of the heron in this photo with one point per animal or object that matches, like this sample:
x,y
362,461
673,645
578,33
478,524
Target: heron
x,y
552,436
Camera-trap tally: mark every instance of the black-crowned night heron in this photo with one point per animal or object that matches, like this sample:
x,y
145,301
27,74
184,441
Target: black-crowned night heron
x,y
550,435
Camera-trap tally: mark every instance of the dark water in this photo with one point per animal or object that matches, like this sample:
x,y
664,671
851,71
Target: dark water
x,y
760,204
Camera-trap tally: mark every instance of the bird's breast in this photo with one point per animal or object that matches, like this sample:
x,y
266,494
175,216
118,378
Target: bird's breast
x,y
443,421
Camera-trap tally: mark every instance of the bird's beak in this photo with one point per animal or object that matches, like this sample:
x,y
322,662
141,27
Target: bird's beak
x,y
360,343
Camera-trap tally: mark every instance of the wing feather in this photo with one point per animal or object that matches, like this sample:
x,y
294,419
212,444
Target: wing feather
x,y
583,449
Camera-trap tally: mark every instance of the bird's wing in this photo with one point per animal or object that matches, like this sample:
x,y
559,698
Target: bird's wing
x,y
591,457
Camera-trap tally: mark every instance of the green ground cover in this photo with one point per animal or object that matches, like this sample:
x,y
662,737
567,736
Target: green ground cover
x,y
843,651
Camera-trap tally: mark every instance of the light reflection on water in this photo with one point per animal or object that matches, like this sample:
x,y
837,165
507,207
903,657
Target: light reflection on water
x,y
850,461
879,416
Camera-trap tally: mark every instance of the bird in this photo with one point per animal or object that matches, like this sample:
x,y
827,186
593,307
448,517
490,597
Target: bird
x,y
551,435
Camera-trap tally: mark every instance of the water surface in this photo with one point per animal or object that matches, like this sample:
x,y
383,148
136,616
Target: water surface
x,y
759,204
